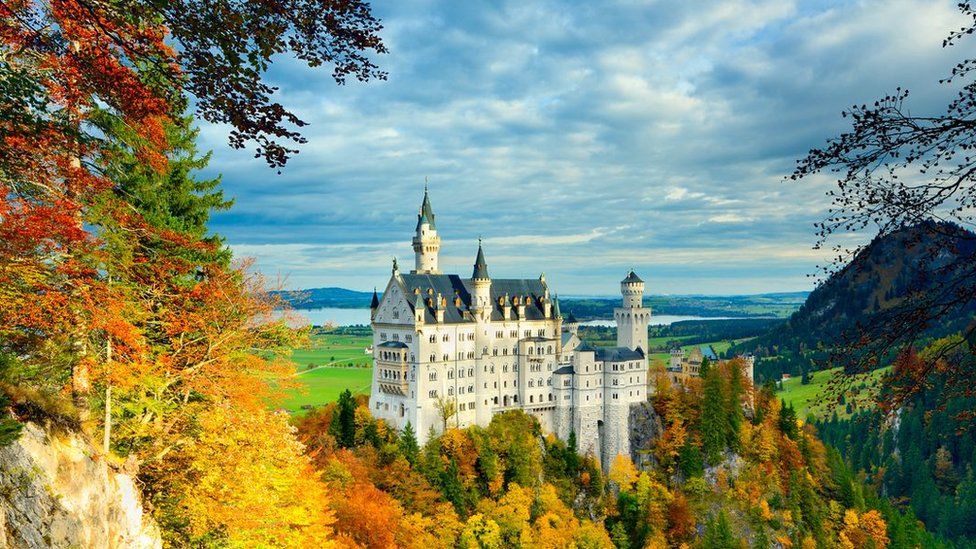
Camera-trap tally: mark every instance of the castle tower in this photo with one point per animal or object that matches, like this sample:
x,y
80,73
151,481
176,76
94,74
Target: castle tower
x,y
481,296
632,318
374,305
426,243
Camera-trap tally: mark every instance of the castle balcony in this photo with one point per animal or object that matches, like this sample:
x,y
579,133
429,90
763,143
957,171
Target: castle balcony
x,y
391,368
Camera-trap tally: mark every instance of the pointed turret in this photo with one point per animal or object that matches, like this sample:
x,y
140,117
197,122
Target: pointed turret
x,y
555,307
419,308
426,214
426,243
482,287
480,265
374,305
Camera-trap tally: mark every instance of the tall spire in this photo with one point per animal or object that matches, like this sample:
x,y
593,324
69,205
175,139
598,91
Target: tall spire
x,y
426,243
555,306
480,265
376,300
426,214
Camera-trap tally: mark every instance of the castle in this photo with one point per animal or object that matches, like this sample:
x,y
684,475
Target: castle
x,y
451,351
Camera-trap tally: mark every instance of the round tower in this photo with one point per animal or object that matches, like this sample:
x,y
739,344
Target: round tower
x,y
632,317
632,289
481,282
426,243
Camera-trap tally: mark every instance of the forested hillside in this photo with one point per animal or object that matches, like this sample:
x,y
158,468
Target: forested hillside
x,y
886,273
923,457
715,477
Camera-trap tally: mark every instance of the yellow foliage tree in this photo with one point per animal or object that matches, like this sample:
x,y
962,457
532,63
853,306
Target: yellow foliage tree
x,y
623,472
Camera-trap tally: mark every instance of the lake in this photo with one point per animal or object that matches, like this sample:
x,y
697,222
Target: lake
x,y
350,317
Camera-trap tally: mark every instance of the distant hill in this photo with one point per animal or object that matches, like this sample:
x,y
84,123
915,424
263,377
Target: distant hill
x,y
318,298
778,305
881,277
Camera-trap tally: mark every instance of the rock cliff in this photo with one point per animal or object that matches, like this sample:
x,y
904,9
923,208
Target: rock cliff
x,y
55,492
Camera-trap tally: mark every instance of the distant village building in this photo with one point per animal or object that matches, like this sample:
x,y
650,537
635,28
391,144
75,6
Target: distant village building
x,y
479,345
681,367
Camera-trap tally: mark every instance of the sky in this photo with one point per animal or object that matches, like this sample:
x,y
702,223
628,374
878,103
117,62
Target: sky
x,y
580,140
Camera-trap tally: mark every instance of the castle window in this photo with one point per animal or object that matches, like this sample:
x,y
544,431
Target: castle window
x,y
505,368
550,397
382,336
408,338
513,333
433,358
444,337
396,337
450,391
505,351
531,383
531,399
396,313
433,338
528,333
470,372
432,376
432,393
499,334
450,374
494,352
446,357
542,332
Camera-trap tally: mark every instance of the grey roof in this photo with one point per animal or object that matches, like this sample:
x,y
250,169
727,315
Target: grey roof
x,y
376,300
632,277
618,354
707,352
530,292
426,214
567,369
566,336
393,344
585,346
571,319
480,266
555,305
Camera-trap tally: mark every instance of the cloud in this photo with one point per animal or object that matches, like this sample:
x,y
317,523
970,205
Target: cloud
x,y
581,139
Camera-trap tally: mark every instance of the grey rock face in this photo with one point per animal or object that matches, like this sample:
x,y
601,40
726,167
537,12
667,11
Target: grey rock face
x,y
55,493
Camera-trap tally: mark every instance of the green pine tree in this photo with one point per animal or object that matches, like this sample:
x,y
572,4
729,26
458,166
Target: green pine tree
x,y
618,535
718,534
787,420
343,426
408,444
734,414
713,421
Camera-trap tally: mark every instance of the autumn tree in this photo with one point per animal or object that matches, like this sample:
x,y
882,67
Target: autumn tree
x,y
899,168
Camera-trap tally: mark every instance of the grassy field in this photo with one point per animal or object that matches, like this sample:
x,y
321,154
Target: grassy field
x,y
330,364
323,385
814,399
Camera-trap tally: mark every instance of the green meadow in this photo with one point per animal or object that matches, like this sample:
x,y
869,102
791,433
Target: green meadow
x,y
818,399
328,365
